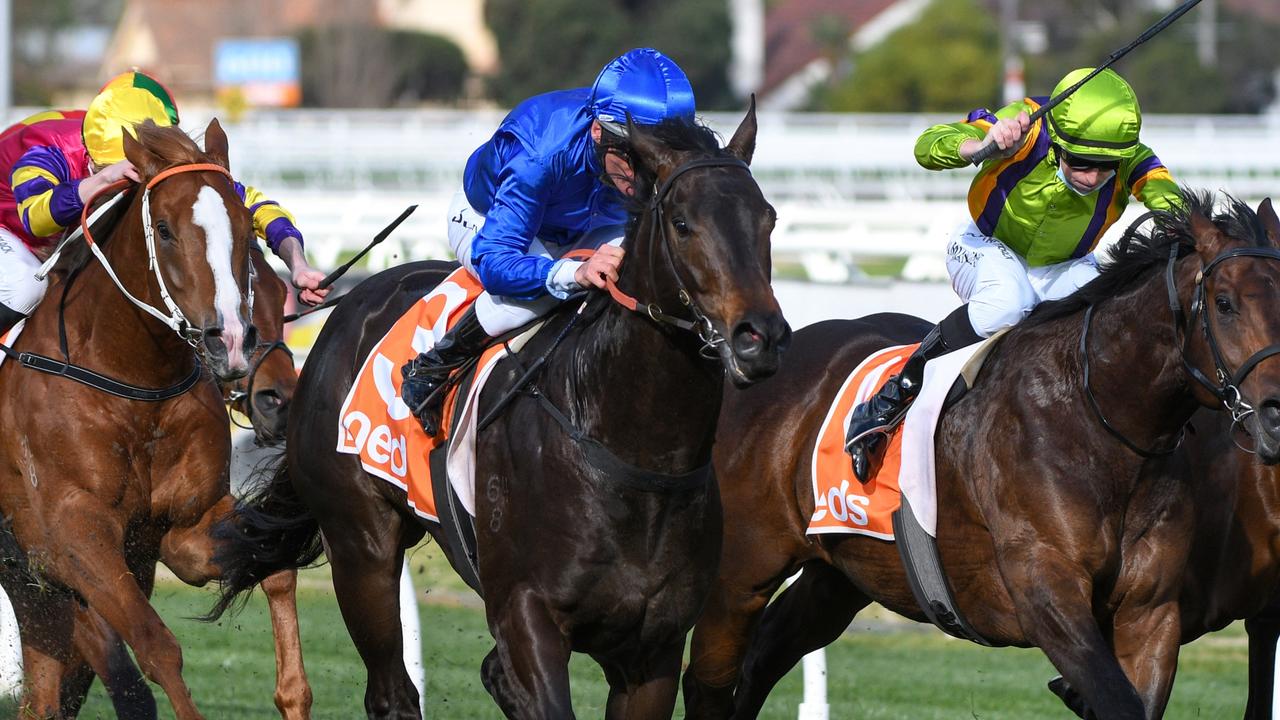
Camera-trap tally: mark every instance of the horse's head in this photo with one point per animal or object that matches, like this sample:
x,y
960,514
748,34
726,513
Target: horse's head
x,y
1231,293
704,241
263,394
200,234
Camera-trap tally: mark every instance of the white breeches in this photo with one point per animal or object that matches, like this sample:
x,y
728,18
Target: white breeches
x,y
999,286
19,288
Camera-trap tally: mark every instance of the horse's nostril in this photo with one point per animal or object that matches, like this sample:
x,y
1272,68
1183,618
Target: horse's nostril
x,y
1269,415
747,340
267,401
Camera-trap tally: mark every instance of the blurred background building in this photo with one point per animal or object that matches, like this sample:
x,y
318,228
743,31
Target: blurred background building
x,y
348,110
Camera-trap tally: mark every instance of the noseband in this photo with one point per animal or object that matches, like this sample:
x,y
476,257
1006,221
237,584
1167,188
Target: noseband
x,y
1227,389
700,324
247,394
175,319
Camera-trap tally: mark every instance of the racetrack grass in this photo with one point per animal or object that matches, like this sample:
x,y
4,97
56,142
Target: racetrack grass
x,y
883,669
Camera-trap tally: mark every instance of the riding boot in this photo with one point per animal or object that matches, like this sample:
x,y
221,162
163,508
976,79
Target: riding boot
x,y
873,420
426,375
8,318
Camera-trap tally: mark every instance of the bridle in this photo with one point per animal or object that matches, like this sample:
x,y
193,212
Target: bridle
x,y
1227,389
261,353
174,319
711,338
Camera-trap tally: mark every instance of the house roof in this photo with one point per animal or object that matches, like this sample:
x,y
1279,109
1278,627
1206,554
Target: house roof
x,y
790,42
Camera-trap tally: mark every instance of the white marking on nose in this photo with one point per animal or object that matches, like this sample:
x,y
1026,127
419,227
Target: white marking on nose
x,y
210,213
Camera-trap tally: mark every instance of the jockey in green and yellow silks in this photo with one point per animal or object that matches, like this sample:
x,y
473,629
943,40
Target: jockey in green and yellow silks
x,y
1037,209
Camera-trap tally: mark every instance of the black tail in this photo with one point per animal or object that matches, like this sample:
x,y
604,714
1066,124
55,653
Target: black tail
x,y
270,529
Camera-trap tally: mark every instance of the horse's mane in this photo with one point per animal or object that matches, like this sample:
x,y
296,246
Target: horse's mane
x,y
1141,252
173,147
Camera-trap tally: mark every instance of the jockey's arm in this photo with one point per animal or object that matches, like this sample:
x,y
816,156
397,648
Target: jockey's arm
x,y
938,148
48,198
500,252
1150,181
273,223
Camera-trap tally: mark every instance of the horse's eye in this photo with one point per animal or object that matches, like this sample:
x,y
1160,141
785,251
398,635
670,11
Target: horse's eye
x,y
162,229
682,228
1223,304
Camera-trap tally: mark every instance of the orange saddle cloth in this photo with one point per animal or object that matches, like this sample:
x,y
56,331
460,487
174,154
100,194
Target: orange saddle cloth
x,y
841,503
375,423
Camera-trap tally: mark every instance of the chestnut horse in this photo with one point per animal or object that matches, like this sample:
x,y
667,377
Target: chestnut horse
x,y
262,396
1049,532
97,487
600,535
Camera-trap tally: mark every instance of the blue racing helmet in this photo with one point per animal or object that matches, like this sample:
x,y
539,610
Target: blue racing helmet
x,y
646,84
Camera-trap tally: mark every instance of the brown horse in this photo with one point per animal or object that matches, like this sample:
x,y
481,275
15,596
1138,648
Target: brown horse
x,y
97,486
1049,532
262,396
598,535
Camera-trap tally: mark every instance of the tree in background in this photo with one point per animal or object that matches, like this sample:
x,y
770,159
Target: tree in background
x,y
946,61
362,66
1166,72
556,44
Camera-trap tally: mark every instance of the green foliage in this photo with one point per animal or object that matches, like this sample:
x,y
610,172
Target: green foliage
x,y
946,61
368,66
1166,72
557,44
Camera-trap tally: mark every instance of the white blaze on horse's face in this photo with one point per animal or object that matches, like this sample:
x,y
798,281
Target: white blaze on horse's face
x,y
210,213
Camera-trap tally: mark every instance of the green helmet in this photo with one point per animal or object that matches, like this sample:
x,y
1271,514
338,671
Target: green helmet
x,y
1100,121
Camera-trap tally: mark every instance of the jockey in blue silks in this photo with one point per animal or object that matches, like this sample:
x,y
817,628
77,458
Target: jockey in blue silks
x,y
552,179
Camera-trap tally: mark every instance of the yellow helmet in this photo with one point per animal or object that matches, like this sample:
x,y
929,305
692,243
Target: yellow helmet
x,y
127,100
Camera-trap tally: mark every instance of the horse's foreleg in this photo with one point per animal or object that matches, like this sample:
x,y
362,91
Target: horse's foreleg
x,y
1053,603
107,658
189,553
44,619
90,562
723,632
293,692
647,690
1264,633
532,679
808,615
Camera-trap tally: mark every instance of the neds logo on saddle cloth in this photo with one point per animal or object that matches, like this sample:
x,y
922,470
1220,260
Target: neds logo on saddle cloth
x,y
841,503
374,422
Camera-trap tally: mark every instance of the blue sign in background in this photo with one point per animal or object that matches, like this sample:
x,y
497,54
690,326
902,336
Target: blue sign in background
x,y
254,60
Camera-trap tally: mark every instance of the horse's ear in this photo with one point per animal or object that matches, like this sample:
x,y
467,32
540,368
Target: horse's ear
x,y
647,150
215,143
1267,214
743,144
147,163
1210,241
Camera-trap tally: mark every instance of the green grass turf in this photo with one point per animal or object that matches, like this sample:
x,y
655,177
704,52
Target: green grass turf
x,y
881,669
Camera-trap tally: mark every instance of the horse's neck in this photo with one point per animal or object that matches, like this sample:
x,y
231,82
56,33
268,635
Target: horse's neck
x,y
108,333
644,392
1136,370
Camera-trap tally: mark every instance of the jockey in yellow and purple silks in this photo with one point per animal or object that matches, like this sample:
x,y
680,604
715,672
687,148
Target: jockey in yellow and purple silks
x,y
57,160
1037,209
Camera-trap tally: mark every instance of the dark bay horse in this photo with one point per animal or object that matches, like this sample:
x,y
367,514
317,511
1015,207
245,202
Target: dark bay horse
x,y
1048,530
98,487
262,396
612,561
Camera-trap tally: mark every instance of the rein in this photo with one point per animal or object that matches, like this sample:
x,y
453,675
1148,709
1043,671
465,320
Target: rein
x,y
1227,390
701,325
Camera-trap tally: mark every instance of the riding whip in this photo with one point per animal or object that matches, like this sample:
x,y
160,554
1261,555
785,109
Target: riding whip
x,y
386,231
990,149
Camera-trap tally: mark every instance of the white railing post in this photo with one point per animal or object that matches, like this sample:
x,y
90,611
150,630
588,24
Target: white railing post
x,y
10,650
411,631
1275,681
